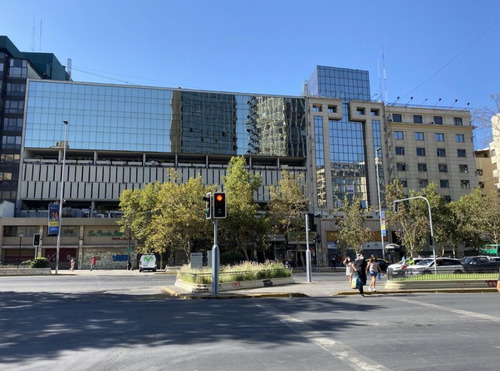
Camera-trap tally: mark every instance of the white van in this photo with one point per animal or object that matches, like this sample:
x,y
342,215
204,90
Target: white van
x,y
147,262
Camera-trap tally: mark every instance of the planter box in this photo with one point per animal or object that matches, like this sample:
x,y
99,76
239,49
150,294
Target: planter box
x,y
429,285
24,271
236,285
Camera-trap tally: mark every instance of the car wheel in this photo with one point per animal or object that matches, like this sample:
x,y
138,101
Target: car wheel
x,y
458,271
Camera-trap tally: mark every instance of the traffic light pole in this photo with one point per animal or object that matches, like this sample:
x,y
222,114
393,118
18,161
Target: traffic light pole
x,y
215,263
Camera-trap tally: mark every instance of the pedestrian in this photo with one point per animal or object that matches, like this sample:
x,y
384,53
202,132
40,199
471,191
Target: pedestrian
x,y
72,264
92,263
334,261
373,268
360,266
348,269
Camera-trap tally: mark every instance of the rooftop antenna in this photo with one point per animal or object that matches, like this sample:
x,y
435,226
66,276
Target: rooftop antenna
x,y
467,105
395,101
456,100
68,69
406,105
385,75
425,100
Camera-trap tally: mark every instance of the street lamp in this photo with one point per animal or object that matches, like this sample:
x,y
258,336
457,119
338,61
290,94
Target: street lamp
x,y
377,162
62,195
19,252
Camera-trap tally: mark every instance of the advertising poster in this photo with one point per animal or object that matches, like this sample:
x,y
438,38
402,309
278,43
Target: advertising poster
x,y
53,219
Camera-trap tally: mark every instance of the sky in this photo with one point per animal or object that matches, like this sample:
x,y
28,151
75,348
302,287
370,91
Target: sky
x,y
435,52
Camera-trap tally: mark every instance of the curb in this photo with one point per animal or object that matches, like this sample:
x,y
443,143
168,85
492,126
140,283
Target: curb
x,y
257,295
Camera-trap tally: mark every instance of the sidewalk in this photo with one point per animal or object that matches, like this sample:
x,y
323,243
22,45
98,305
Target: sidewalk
x,y
301,288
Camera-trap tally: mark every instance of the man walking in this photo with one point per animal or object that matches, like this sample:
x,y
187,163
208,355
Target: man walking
x,y
92,263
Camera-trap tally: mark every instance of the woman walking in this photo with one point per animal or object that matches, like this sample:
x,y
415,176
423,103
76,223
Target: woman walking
x,y
373,268
360,266
348,269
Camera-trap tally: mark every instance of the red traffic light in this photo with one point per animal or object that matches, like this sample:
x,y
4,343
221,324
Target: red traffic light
x,y
219,207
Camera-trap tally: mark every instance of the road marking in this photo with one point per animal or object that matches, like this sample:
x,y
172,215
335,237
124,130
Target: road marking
x,y
453,310
336,348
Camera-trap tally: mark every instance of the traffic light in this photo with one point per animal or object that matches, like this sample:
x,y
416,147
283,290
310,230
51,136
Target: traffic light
x,y
208,207
219,207
36,239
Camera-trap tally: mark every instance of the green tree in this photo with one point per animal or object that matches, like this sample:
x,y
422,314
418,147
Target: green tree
x,y
180,217
352,233
409,220
242,229
287,205
138,207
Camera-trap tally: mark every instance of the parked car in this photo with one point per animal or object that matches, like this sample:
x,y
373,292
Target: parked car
x,y
400,267
443,265
480,264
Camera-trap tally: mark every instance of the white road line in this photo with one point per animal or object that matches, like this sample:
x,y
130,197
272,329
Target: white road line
x,y
453,310
336,348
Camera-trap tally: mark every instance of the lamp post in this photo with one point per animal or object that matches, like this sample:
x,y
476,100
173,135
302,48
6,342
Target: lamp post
x,y
377,162
19,252
62,195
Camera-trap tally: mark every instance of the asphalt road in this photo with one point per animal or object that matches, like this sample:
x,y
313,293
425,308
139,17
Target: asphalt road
x,y
124,323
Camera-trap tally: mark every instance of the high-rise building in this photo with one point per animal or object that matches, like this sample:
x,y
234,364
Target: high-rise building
x,y
15,69
122,137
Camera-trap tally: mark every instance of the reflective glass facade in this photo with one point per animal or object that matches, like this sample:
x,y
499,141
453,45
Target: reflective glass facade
x,y
347,138
128,118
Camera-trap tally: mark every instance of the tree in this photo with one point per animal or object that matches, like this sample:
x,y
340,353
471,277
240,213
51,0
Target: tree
x,y
287,205
242,229
482,117
352,233
468,213
138,206
410,219
180,217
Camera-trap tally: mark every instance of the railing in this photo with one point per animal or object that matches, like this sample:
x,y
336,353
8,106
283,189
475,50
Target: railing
x,y
428,274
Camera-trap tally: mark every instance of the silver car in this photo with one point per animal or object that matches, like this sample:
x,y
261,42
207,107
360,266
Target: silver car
x,y
443,265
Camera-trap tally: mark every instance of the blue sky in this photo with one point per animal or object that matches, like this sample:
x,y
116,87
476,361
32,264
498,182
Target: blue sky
x,y
431,49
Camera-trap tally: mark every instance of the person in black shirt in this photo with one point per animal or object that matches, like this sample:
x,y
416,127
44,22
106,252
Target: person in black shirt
x,y
360,267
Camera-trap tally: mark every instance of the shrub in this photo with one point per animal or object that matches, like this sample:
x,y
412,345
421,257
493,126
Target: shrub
x,y
246,271
39,263
25,263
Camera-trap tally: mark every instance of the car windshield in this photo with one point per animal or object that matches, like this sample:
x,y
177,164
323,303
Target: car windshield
x,y
425,262
465,260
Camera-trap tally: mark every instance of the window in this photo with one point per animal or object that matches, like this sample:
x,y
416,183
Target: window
x,y
422,167
463,168
417,119
420,151
396,117
459,138
438,120
332,109
447,198
360,111
439,137
465,184
457,121
419,136
479,172
442,168
441,152
404,182
444,183
461,153
401,166
374,112
422,183
400,151
398,135
317,108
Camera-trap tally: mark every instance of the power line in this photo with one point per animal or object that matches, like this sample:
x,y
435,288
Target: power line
x,y
455,57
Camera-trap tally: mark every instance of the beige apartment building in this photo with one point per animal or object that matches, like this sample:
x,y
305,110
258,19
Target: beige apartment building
x,y
431,145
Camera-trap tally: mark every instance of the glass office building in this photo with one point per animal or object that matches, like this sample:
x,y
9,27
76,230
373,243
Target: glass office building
x,y
158,120
345,161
